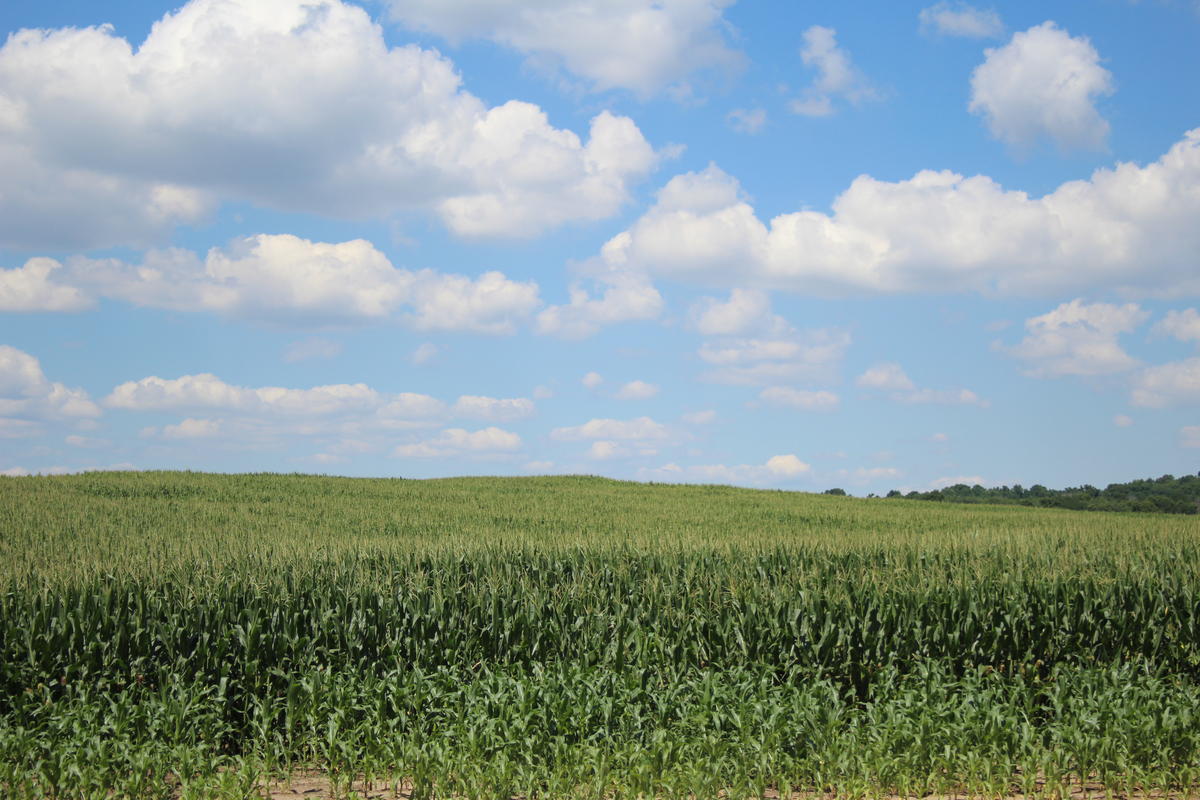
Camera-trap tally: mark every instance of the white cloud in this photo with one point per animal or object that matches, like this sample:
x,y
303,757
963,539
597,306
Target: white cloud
x,y
639,45
592,380
891,377
747,120
836,75
627,297
1122,420
1182,325
603,450
885,377
1078,339
787,466
27,395
457,442
639,429
490,304
1177,383
288,279
775,470
1129,229
746,311
88,442
706,417
127,141
424,353
312,348
636,390
808,355
961,19
799,398
493,409
192,428
208,391
30,288
1190,436
1043,83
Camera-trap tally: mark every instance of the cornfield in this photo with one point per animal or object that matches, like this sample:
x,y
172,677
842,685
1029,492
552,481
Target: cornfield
x,y
187,635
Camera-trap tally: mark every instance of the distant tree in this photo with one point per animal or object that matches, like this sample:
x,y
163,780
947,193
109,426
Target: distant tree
x,y
840,492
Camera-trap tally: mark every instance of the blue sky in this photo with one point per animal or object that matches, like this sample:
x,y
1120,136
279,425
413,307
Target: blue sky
x,y
799,246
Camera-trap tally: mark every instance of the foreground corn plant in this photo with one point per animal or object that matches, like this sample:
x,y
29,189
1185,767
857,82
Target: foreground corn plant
x,y
186,635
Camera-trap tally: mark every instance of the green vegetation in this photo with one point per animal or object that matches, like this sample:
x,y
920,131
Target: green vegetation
x,y
177,634
1167,495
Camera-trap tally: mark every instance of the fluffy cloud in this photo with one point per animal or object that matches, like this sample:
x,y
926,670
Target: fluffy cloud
x,y
631,44
27,395
637,390
1042,83
493,409
640,429
208,391
746,311
1182,325
776,469
795,355
706,417
890,377
288,279
457,442
192,428
30,288
126,142
1128,228
800,399
961,19
592,380
836,75
1171,384
626,297
1079,339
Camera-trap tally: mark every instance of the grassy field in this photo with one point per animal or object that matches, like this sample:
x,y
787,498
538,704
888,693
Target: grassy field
x,y
191,635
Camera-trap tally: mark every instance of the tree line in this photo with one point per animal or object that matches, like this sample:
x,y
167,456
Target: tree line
x,y
1167,494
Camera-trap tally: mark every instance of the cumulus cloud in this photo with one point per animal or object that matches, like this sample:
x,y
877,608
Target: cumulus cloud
x,y
776,469
28,396
208,391
636,390
705,417
891,378
31,288
1043,83
836,76
642,428
1079,339
1129,228
592,380
458,442
626,297
1182,325
639,45
961,19
284,278
127,142
192,428
746,311
1177,383
793,355
494,409
800,399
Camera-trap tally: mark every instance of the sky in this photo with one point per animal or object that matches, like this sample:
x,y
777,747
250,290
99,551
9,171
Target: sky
x,y
874,245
